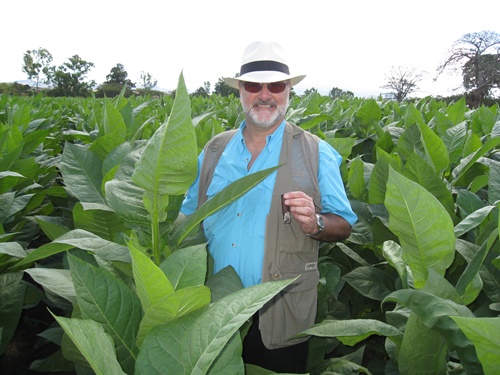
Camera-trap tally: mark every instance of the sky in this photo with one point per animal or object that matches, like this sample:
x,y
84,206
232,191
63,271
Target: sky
x,y
351,45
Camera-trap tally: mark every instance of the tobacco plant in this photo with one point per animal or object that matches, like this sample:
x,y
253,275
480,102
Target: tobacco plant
x,y
91,192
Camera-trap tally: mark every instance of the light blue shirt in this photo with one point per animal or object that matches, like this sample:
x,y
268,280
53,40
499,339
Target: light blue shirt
x,y
235,234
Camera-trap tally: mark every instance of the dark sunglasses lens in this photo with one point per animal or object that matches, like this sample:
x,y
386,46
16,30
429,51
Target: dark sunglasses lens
x,y
276,87
252,87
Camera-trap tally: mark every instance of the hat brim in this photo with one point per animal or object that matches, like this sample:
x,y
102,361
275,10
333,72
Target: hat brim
x,y
263,76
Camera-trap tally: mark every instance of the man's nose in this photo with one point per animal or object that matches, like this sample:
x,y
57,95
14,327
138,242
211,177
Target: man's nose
x,y
264,93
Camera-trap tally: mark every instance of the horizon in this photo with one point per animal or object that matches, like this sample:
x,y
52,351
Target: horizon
x,y
349,46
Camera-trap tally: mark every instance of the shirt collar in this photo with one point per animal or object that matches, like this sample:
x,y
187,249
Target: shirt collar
x,y
273,140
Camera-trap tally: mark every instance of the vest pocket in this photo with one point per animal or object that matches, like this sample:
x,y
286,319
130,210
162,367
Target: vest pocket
x,y
292,311
294,241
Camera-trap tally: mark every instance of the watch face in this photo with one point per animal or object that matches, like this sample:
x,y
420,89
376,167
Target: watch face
x,y
320,222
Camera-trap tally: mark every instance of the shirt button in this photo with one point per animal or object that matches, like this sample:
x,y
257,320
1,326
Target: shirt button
x,y
233,244
238,214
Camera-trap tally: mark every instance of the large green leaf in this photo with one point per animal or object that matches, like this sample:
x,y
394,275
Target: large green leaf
x,y
226,196
151,283
223,283
482,120
456,111
435,150
186,266
366,117
12,291
423,350
81,171
379,175
346,364
126,200
107,300
350,332
422,225
168,164
201,341
55,280
489,274
409,142
483,332
475,263
113,131
160,302
161,352
393,253
172,306
53,226
436,312
371,282
454,139
467,162
420,171
80,239
493,178
8,180
472,220
357,179
13,249
99,219
35,134
94,343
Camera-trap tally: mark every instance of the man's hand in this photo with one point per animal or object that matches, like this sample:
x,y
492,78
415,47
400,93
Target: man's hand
x,y
302,210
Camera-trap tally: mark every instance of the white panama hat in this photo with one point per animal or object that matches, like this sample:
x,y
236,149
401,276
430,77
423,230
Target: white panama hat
x,y
264,62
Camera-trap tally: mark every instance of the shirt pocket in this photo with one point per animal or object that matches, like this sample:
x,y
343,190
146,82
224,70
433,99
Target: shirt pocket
x,y
261,204
217,185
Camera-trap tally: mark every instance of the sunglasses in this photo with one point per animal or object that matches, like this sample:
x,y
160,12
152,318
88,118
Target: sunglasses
x,y
273,87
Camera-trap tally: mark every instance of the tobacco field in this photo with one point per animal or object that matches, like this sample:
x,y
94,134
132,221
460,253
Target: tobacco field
x,y
99,273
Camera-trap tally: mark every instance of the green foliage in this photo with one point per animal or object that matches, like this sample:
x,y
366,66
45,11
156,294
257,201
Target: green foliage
x,y
15,89
116,81
118,75
90,191
69,78
221,88
110,90
36,65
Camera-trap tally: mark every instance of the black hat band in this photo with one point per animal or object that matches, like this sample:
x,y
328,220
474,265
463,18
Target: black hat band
x,y
264,65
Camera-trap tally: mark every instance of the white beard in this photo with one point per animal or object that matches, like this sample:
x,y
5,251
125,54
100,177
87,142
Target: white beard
x,y
264,120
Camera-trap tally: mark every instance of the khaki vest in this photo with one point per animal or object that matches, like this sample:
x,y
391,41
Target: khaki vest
x,y
288,252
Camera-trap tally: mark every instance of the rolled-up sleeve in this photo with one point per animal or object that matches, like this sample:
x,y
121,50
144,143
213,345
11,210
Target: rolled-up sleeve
x,y
333,195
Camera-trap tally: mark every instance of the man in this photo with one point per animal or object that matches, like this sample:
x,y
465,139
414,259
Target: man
x,y
273,232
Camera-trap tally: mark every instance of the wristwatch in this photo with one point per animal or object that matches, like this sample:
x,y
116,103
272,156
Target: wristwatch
x,y
321,226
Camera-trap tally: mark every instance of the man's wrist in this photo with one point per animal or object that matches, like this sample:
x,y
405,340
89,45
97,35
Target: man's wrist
x,y
320,225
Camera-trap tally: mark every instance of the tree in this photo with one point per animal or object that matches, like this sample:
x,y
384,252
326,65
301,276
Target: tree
x,y
403,81
335,92
118,75
37,65
203,91
69,78
477,57
221,88
148,82
310,91
116,80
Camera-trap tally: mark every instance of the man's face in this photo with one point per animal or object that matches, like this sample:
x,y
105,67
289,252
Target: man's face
x,y
264,104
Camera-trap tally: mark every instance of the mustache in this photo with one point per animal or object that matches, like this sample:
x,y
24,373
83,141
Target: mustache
x,y
265,102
